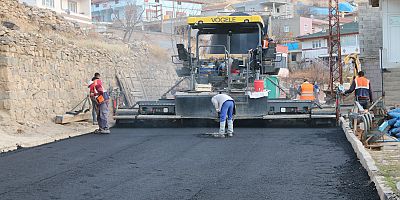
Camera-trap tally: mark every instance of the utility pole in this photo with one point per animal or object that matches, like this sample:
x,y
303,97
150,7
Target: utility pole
x,y
334,47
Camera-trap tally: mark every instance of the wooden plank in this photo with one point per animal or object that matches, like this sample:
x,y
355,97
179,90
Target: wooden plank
x,y
68,118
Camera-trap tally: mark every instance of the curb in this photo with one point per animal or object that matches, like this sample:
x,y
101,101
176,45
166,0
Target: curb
x,y
42,141
385,193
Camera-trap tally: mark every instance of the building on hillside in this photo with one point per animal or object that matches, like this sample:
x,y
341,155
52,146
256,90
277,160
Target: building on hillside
x,y
277,8
286,30
76,10
217,9
143,10
315,46
294,54
380,46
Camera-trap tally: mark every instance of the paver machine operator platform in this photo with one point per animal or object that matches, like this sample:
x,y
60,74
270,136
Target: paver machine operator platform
x,y
228,57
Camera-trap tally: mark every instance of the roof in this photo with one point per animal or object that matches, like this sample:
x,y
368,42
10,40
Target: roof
x,y
343,7
346,7
346,29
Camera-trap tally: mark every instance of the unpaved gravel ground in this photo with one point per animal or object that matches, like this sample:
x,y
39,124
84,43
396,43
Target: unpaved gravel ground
x,y
182,164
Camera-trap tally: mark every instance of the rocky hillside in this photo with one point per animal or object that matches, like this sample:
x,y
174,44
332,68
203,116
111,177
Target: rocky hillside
x,y
46,62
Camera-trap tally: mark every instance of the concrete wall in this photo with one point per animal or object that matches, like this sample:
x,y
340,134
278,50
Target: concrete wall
x,y
306,26
370,28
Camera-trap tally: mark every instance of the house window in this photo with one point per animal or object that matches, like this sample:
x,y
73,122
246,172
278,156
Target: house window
x,y
286,29
116,1
306,27
179,2
316,44
294,57
277,10
97,5
73,6
48,3
157,1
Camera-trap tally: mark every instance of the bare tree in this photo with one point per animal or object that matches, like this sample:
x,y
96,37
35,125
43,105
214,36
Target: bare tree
x,y
133,15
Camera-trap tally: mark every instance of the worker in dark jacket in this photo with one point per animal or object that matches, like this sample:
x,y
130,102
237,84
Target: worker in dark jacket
x,y
362,86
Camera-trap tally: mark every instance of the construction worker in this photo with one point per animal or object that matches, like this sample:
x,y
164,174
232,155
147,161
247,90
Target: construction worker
x,y
265,42
362,86
316,92
102,99
225,107
93,100
306,91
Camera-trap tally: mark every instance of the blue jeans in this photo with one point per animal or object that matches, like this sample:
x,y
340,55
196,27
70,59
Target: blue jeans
x,y
227,109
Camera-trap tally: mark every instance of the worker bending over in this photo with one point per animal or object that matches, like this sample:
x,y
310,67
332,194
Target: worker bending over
x,y
362,86
306,91
225,106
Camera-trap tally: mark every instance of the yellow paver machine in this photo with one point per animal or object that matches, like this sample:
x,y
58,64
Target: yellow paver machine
x,y
229,56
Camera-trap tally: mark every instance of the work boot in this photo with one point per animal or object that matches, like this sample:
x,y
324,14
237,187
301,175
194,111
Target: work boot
x,y
230,128
97,131
105,131
221,132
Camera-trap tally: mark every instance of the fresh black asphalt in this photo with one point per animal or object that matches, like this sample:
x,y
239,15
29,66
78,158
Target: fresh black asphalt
x,y
170,163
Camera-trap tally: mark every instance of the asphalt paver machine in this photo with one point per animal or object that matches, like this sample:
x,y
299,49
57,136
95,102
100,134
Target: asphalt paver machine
x,y
228,57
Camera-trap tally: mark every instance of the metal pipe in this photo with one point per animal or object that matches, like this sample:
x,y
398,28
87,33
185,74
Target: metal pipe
x,y
259,48
248,69
228,67
381,66
190,57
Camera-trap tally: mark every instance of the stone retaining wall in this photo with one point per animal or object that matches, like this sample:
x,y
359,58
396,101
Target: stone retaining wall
x,y
42,76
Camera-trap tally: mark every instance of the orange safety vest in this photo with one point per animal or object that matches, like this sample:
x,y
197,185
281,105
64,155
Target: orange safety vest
x,y
307,91
265,45
362,82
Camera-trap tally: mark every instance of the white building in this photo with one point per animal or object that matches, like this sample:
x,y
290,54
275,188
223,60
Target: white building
x,y
380,30
391,31
277,8
76,10
316,45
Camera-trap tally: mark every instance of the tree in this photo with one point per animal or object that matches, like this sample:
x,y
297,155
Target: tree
x,y
133,15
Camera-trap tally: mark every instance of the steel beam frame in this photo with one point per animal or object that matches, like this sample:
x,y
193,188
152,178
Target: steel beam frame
x,y
334,47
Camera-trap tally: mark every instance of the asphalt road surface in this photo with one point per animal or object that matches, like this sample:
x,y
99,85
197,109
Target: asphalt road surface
x,y
183,164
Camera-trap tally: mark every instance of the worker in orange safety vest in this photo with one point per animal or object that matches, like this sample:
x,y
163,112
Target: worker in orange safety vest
x,y
266,41
306,91
362,88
